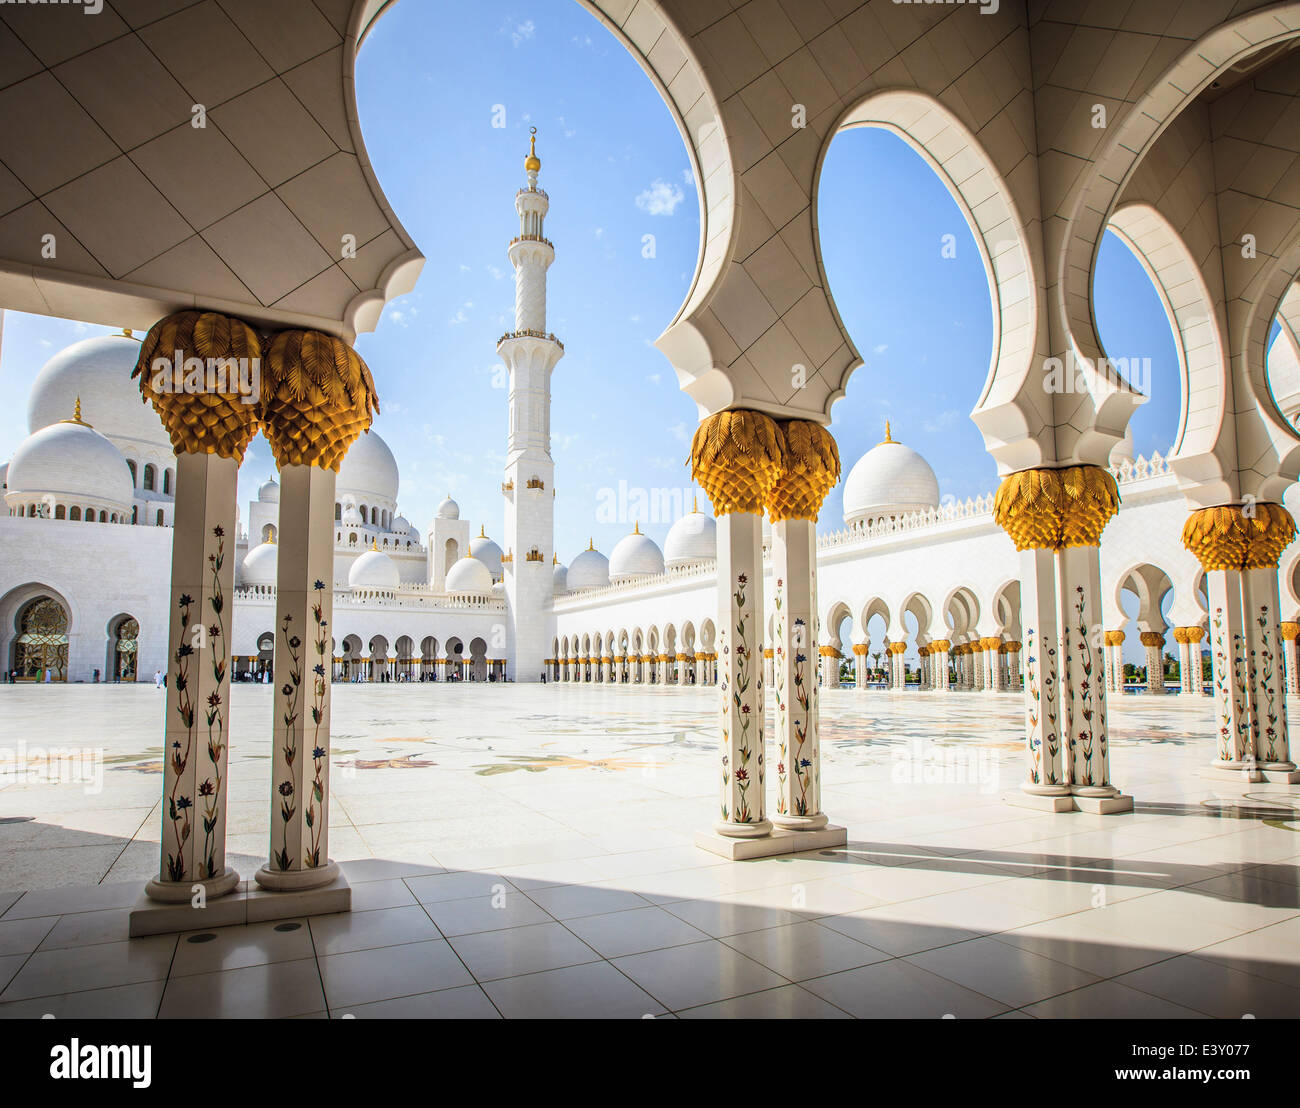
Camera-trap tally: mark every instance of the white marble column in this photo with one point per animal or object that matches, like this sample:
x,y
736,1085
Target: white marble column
x,y
1083,686
1154,643
1047,773
860,663
300,737
740,609
197,719
794,575
1290,632
939,657
1266,670
1229,662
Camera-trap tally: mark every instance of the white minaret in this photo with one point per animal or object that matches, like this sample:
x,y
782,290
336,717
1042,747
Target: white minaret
x,y
530,353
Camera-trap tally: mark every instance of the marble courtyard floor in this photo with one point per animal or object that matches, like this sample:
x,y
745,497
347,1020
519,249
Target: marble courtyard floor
x,y
527,851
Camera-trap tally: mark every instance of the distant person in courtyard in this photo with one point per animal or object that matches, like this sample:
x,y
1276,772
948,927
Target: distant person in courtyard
x,y
157,678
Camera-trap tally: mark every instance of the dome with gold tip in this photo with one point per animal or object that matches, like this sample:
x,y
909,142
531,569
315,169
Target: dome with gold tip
x,y
888,481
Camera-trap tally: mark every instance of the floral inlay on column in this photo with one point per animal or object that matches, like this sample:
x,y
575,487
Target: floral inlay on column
x,y
735,457
317,399
198,370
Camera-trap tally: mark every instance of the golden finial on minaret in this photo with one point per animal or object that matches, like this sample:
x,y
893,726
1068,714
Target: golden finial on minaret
x,y
532,163
591,544
636,527
888,437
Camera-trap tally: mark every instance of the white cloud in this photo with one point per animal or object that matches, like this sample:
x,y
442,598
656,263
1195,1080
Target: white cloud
x,y
460,316
880,349
654,378
661,198
496,271
521,31
681,432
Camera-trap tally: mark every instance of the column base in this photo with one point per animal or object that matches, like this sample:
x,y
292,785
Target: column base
x,y
1041,802
1098,800
778,842
296,880
182,892
1280,773
1113,804
802,823
1241,772
743,830
245,904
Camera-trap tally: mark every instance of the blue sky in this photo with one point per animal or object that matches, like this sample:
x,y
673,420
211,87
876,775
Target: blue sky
x,y
429,79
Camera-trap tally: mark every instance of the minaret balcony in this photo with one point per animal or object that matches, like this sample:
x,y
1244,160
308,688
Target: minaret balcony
x,y
532,238
530,334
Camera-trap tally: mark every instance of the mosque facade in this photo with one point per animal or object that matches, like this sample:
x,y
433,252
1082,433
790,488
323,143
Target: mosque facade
x,y
88,603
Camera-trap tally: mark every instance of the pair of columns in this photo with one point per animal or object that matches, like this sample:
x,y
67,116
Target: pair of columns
x,y
314,397
1238,547
746,463
1054,518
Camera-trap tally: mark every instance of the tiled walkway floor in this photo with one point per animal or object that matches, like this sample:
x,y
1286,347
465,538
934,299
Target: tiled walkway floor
x,y
526,851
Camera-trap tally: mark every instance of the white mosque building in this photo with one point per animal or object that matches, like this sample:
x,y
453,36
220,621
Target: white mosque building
x,y
88,603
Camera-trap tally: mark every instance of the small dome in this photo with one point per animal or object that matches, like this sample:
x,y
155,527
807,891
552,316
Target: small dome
x,y
70,461
560,576
400,525
352,514
636,555
269,492
692,539
259,565
469,575
589,570
369,470
449,509
889,480
97,370
373,570
487,552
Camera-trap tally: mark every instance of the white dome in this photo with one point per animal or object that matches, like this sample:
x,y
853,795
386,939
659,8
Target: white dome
x,y
70,461
269,493
352,515
98,371
889,480
449,509
487,552
469,575
560,577
259,565
373,570
369,471
693,538
636,555
400,525
589,570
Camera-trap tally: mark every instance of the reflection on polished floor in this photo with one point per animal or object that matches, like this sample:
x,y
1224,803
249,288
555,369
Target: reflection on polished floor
x,y
526,851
